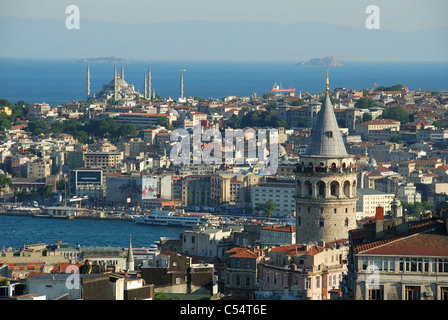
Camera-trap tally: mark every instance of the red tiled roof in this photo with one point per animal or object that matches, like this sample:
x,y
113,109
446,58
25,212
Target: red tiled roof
x,y
424,238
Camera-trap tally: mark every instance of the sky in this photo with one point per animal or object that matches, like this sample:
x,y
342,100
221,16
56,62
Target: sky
x,y
397,15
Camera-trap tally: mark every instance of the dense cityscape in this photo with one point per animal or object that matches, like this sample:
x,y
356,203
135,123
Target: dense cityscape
x,y
354,206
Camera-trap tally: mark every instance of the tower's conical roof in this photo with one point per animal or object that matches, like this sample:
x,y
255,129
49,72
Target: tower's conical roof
x,y
326,138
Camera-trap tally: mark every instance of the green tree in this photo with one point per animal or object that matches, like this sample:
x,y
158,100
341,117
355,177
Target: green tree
x,y
365,103
298,102
5,181
397,113
416,208
268,95
267,207
163,121
37,127
366,117
396,87
127,129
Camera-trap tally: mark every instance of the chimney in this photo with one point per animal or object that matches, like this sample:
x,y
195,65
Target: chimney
x,y
379,222
379,215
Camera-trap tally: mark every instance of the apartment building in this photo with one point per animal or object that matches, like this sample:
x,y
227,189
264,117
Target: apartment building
x,y
38,169
369,200
380,127
102,160
241,271
281,191
303,272
398,260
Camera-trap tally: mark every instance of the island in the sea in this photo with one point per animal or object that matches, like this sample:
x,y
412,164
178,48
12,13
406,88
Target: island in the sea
x,y
322,62
103,60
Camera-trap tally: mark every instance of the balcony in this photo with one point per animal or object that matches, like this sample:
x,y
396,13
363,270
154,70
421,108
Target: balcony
x,y
323,169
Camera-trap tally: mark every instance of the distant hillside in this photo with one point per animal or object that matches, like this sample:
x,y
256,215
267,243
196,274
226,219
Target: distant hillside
x,y
212,41
103,60
323,62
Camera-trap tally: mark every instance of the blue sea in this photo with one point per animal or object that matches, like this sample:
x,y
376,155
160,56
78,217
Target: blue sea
x,y
15,231
60,81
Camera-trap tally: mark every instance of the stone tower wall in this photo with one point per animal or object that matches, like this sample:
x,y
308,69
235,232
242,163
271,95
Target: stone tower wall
x,y
325,206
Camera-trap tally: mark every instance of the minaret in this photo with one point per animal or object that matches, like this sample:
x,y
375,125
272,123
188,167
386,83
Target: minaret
x,y
145,87
130,257
149,80
182,84
88,82
115,83
122,71
325,182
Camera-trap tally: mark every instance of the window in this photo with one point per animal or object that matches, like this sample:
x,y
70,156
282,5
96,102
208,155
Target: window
x,y
308,284
247,264
321,222
412,293
346,221
376,294
443,265
444,293
238,263
317,282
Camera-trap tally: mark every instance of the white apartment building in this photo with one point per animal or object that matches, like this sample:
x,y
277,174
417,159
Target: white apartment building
x,y
369,200
408,193
207,242
279,191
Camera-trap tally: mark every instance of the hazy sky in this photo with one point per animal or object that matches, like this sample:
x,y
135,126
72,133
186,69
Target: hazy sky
x,y
399,15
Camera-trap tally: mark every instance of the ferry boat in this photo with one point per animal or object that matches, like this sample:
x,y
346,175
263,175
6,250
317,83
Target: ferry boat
x,y
173,218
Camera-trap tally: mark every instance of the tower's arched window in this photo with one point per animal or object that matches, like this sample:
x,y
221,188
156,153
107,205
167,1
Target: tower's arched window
x,y
346,222
309,187
347,188
321,188
334,188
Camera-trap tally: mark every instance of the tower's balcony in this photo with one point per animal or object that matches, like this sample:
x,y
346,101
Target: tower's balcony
x,y
324,169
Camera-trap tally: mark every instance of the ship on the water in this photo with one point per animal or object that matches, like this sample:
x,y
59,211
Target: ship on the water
x,y
177,218
277,88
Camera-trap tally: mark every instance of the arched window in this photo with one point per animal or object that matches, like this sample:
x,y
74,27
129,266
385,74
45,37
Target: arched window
x,y
309,187
320,188
334,188
346,222
347,189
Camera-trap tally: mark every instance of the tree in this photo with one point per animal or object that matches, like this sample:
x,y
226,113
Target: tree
x,y
365,103
268,95
5,181
416,208
37,127
298,102
396,87
163,121
396,113
127,130
367,117
266,207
